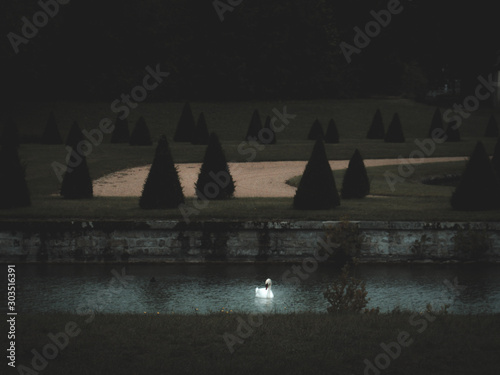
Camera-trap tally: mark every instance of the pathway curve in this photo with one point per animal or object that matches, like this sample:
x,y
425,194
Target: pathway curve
x,y
259,179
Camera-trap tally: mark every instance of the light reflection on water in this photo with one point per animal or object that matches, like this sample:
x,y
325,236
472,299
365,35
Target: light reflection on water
x,y
211,288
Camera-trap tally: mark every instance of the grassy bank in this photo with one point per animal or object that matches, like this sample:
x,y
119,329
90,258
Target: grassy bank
x,y
281,344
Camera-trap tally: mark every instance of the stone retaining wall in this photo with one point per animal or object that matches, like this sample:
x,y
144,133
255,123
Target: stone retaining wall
x,y
173,241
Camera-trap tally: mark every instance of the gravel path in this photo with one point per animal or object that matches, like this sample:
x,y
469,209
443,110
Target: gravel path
x,y
263,179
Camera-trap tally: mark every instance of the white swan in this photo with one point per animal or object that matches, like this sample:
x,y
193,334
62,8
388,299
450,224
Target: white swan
x,y
265,292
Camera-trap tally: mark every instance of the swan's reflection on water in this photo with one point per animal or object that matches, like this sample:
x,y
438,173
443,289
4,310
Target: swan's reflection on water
x,y
264,305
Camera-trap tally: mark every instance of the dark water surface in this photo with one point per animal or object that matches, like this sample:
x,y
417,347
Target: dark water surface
x,y
212,287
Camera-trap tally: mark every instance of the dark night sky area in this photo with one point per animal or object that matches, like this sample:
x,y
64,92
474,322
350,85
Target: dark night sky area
x,y
94,49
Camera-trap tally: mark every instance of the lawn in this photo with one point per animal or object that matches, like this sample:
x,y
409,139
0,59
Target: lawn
x,y
275,344
410,201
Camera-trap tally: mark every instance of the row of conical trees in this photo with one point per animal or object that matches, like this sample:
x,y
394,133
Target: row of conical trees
x,y
395,134
197,133
479,187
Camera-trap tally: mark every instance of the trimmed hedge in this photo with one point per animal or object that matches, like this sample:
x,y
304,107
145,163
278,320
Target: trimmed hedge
x,y
436,123
376,130
186,125
395,131
120,132
332,134
140,135
214,181
162,188
355,183
491,128
479,187
316,132
51,135
201,135
317,189
254,127
13,188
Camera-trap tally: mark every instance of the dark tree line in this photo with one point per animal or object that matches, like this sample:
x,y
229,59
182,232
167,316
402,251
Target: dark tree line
x,y
280,49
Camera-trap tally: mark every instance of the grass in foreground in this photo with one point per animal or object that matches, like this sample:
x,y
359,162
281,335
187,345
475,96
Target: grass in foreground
x,y
282,344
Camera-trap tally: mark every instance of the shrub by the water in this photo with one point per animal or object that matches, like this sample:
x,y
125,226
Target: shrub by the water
x,y
491,128
201,135
13,188
356,183
214,181
162,188
346,294
395,131
268,135
317,189
479,186
75,136
186,125
316,131
436,123
140,134
376,130
77,183
120,132
332,134
10,133
254,127
51,135
452,132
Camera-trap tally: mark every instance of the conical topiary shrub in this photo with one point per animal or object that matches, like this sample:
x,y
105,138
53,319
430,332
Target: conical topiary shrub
x,y
436,123
76,183
254,127
317,189
395,131
268,135
186,125
491,128
479,185
201,135
13,188
332,134
51,135
356,183
120,132
75,136
140,134
452,132
376,130
214,181
10,133
162,188
316,132
495,160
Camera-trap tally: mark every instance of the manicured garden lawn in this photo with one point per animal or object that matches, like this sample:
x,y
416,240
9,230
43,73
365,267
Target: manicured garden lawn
x,y
410,201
